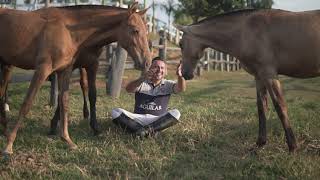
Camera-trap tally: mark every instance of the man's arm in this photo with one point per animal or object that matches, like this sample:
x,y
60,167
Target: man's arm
x,y
133,85
181,83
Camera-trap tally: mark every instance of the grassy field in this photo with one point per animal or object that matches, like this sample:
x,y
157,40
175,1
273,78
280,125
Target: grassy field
x,y
214,141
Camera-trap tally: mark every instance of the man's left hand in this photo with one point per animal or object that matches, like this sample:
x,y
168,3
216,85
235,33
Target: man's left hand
x,y
178,72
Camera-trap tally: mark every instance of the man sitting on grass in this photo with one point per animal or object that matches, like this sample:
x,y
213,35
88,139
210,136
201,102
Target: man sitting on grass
x,y
152,94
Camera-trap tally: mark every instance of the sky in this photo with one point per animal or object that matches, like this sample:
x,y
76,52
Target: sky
x,y
296,5
291,5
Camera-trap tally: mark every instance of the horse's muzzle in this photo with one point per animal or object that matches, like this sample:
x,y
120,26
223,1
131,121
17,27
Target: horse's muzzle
x,y
187,76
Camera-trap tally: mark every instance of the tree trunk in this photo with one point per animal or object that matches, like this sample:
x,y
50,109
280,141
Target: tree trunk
x,y
153,18
47,3
169,27
116,72
15,4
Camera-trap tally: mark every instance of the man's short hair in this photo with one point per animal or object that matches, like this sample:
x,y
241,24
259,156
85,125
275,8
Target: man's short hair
x,y
157,59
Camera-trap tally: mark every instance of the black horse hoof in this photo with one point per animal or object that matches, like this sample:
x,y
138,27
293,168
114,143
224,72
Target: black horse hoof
x,y
96,132
261,143
52,133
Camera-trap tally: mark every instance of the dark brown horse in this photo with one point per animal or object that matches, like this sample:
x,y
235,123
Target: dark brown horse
x,y
50,40
87,63
268,43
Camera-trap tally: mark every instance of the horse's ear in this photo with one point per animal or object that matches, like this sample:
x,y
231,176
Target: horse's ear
x,y
180,27
133,8
142,12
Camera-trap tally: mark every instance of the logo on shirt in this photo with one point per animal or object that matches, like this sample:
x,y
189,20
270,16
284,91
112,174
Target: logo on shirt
x,y
150,106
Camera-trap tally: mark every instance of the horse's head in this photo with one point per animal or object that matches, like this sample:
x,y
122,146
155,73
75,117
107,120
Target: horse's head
x,y
133,37
192,50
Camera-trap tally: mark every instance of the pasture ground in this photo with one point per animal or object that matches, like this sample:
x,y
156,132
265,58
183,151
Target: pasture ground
x,y
214,141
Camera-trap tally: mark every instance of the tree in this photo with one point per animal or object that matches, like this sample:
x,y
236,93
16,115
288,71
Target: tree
x,y
182,18
204,8
258,4
123,1
169,7
193,9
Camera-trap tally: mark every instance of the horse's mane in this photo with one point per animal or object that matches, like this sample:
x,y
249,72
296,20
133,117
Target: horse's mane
x,y
234,13
91,7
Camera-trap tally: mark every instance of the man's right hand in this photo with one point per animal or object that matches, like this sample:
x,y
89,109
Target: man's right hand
x,y
147,75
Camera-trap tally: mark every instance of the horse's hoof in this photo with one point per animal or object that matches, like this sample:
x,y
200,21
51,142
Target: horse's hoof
x,y
86,116
73,147
293,149
5,134
6,159
96,132
52,133
6,107
261,143
7,153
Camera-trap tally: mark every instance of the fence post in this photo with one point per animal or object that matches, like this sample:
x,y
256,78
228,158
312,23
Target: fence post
x,y
216,55
163,45
199,69
206,59
238,64
234,68
221,62
150,27
177,39
116,72
228,63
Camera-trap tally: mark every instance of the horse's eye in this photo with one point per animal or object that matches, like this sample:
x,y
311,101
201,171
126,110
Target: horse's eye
x,y
135,31
180,44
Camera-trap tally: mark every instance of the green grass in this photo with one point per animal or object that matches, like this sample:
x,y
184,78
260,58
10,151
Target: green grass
x,y
215,139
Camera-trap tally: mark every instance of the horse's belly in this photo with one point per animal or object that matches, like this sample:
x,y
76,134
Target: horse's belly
x,y
23,62
301,70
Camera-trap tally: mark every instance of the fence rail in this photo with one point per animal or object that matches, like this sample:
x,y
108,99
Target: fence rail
x,y
219,61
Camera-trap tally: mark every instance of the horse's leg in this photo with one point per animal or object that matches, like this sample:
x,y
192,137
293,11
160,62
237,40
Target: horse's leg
x,y
275,91
84,88
5,77
92,72
63,98
6,105
54,121
262,104
38,78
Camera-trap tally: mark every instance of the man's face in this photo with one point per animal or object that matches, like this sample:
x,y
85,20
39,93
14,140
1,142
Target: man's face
x,y
159,70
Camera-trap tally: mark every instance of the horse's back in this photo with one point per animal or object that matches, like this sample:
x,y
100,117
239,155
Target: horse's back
x,y
288,41
27,35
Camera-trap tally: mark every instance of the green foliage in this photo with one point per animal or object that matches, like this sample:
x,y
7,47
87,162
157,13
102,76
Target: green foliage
x,y
260,4
204,8
182,18
215,139
123,1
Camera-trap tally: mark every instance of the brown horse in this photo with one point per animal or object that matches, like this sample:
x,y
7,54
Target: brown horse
x,y
50,40
268,43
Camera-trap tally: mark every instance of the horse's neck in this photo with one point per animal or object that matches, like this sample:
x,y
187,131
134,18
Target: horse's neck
x,y
88,29
84,13
222,35
101,39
